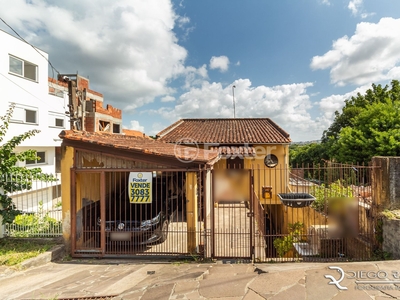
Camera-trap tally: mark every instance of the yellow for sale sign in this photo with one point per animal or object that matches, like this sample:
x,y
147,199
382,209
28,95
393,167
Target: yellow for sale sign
x,y
140,187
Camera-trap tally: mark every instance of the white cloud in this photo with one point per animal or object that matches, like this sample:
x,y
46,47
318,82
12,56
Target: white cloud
x,y
330,104
372,54
219,62
366,15
326,2
134,125
287,105
354,6
182,21
129,41
167,99
193,76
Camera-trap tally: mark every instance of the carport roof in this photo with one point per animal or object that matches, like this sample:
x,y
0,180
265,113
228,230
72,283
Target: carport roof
x,y
225,131
142,145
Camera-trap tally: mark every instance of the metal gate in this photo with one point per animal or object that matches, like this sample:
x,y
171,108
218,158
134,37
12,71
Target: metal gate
x,y
250,221
233,224
338,225
127,213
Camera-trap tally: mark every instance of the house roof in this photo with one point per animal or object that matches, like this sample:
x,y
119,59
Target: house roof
x,y
171,154
225,131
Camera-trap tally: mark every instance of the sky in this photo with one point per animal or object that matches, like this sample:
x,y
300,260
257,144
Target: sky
x,y
295,62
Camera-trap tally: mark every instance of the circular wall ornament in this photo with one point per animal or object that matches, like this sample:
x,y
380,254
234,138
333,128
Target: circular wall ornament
x,y
271,161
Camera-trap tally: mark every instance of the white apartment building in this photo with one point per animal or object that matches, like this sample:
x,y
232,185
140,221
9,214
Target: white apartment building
x,y
24,81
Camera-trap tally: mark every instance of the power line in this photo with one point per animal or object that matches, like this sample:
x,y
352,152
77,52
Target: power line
x,y
55,109
51,65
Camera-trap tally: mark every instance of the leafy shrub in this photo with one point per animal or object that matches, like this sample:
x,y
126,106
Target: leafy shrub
x,y
285,244
35,224
323,192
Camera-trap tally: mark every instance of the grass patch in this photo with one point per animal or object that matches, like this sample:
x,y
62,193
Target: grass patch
x,y
15,251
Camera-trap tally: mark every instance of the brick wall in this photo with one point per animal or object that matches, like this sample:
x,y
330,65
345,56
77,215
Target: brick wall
x,y
82,83
109,110
89,123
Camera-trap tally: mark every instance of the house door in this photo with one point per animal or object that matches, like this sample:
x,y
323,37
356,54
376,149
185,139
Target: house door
x,y
232,221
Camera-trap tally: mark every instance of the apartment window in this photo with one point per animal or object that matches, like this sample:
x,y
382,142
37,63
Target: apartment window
x,y
30,116
59,122
25,114
23,68
56,120
40,160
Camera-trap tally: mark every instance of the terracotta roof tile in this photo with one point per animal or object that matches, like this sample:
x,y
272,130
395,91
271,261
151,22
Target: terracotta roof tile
x,y
141,144
226,131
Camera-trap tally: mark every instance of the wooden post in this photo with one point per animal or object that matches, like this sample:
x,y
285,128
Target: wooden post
x,y
67,162
191,211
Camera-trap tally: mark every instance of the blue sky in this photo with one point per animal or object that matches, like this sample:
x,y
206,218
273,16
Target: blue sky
x,y
160,60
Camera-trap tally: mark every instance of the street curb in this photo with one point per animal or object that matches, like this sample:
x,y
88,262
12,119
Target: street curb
x,y
53,254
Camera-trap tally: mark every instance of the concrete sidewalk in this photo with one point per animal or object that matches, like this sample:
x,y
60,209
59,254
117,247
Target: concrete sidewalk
x,y
133,279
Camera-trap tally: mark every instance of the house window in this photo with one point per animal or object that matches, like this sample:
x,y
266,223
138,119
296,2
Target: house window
x,y
25,114
56,120
116,128
30,116
40,160
59,122
23,68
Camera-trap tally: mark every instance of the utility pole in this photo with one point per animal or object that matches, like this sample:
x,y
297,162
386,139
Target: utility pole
x,y
72,103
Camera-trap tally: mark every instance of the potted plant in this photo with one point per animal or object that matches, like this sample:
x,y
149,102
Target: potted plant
x,y
284,244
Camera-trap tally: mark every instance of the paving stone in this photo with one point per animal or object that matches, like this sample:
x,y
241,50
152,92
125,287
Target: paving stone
x,y
317,287
136,295
272,283
226,298
160,292
187,281
185,287
222,270
352,293
228,286
251,295
195,295
297,292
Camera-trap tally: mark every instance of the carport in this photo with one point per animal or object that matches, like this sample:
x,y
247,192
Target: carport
x,y
128,196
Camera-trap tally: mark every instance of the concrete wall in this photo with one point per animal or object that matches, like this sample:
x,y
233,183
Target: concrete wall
x,y
391,241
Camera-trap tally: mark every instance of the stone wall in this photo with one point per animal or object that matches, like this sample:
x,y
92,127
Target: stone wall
x,y
391,241
385,182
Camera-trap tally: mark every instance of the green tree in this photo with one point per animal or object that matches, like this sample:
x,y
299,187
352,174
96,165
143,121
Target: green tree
x,y
307,155
364,123
375,132
12,177
355,105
